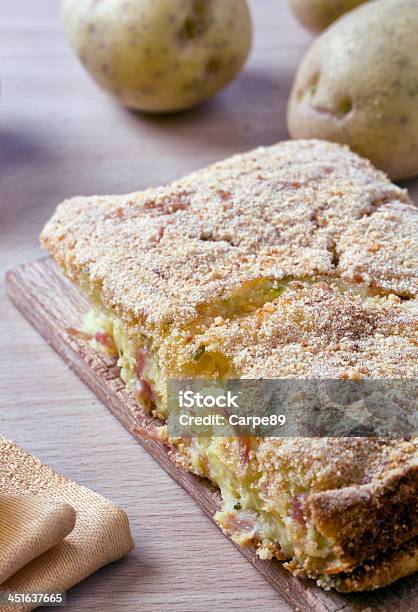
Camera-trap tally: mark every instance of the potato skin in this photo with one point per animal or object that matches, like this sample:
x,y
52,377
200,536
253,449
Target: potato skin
x,y
160,55
358,85
319,14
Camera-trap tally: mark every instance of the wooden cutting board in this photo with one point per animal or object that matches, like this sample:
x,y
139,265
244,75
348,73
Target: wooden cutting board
x,y
53,305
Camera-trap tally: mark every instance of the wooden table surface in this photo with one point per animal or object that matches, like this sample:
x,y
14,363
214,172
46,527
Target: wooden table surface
x,y
61,136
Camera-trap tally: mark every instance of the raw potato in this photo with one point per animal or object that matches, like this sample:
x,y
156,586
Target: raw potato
x,y
160,55
358,85
319,14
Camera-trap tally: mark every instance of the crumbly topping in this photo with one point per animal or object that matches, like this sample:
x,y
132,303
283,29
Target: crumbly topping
x,y
295,209
382,250
316,330
298,465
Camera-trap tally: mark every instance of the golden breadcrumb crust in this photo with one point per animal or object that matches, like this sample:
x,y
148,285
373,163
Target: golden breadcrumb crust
x,y
314,330
293,209
360,493
382,570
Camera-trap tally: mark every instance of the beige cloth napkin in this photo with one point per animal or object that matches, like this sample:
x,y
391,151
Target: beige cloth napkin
x,y
29,526
53,532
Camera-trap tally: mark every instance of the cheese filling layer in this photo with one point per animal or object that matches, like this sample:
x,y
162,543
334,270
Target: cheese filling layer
x,y
230,463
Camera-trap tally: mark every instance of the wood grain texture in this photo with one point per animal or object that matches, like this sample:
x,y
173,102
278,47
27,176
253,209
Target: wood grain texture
x,y
61,136
53,306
